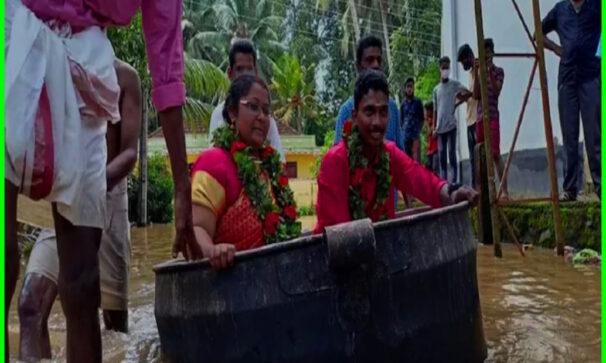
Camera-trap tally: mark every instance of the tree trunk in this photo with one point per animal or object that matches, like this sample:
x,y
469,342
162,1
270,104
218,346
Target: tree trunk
x,y
384,15
354,19
143,165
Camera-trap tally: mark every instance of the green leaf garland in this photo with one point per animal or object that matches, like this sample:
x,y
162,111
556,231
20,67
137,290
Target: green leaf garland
x,y
358,166
280,218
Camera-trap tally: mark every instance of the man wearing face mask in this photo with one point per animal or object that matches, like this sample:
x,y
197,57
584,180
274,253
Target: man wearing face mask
x,y
577,23
445,96
467,59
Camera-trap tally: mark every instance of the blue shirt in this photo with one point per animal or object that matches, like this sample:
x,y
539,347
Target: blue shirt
x,y
393,133
579,37
411,118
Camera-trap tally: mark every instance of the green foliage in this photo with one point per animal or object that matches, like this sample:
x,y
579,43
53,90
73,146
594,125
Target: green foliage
x,y
159,191
307,210
533,224
318,35
426,81
319,126
305,44
206,87
416,43
129,46
209,27
328,139
586,256
423,143
293,98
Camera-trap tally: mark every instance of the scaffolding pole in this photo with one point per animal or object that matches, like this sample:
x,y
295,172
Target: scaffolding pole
x,y
486,123
536,10
539,63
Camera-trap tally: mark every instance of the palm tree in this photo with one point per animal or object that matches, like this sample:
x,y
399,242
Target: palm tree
x,y
206,87
348,21
416,40
293,100
209,29
357,12
383,6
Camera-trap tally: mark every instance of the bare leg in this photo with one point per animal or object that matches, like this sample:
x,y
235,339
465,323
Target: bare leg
x,y
11,253
79,288
116,320
35,303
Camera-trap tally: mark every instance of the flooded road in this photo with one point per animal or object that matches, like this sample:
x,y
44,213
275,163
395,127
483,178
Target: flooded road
x,y
535,309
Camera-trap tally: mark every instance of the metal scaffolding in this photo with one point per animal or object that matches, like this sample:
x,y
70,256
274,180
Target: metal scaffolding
x,y
496,204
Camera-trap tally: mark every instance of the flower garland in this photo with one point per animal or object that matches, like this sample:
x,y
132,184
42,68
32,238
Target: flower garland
x,y
280,218
359,166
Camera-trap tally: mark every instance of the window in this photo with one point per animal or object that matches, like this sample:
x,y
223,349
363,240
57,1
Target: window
x,y
291,169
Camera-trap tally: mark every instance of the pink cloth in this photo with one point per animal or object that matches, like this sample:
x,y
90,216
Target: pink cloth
x,y
220,165
161,28
495,136
408,176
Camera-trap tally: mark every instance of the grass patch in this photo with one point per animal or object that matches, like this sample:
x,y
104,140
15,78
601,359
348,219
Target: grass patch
x,y
533,224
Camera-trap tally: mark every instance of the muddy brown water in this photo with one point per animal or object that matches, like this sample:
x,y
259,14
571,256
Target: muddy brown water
x,y
535,309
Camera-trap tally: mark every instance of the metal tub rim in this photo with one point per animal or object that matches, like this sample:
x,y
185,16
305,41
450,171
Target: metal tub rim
x,y
178,265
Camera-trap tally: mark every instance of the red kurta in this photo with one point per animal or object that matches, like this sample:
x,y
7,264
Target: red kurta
x,y
333,183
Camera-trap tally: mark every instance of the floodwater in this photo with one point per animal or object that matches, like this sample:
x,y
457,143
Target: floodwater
x,y
535,309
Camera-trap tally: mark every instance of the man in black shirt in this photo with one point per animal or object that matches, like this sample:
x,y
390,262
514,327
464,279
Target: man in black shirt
x,y
577,23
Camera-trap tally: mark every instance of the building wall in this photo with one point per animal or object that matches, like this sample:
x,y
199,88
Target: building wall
x,y
528,174
304,163
503,25
305,191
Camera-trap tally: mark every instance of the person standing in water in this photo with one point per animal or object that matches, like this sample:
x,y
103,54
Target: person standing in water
x,y
40,282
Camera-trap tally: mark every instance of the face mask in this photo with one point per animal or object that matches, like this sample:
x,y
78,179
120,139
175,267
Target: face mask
x,y
445,73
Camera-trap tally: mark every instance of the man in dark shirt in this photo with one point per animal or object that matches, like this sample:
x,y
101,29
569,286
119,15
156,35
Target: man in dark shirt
x,y
411,120
496,77
577,23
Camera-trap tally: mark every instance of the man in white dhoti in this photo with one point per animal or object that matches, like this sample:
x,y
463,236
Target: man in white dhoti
x,y
60,92
39,289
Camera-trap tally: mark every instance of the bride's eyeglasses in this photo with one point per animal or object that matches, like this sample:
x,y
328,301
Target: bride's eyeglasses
x,y
255,108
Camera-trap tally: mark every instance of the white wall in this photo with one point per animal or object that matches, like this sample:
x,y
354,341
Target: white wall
x,y
503,25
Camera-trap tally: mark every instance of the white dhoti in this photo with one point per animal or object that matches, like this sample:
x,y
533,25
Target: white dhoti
x,y
114,252
60,91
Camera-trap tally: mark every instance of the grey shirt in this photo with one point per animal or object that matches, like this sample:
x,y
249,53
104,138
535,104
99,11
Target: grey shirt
x,y
444,100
